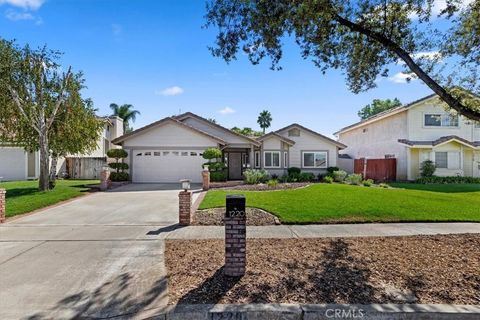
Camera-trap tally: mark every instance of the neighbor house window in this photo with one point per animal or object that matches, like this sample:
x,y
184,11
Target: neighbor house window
x,y
285,159
257,159
314,159
447,160
441,120
271,159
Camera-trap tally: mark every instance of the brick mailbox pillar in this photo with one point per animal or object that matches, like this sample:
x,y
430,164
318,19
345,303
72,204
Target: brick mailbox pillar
x,y
184,207
105,179
206,179
2,205
235,236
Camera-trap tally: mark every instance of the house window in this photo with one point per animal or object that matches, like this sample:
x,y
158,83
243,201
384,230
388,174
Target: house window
x,y
257,159
294,132
176,153
139,154
285,159
166,153
271,159
184,154
156,153
148,153
314,159
441,120
193,154
441,159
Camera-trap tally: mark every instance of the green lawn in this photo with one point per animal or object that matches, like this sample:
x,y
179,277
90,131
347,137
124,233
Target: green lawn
x,y
23,196
324,203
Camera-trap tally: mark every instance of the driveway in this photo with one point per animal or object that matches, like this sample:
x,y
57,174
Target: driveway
x,y
97,256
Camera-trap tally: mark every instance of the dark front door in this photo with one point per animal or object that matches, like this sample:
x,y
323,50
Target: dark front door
x,y
235,166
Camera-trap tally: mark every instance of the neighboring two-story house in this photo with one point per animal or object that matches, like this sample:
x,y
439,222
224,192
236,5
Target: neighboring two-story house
x,y
18,164
412,133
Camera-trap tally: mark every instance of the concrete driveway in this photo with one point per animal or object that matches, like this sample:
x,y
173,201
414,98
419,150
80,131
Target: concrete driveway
x,y
98,256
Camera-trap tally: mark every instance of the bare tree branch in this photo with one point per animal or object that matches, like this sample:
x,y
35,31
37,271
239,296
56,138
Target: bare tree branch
x,y
60,98
19,103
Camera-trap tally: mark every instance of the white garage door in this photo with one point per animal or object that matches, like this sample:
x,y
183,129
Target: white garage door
x,y
12,164
167,165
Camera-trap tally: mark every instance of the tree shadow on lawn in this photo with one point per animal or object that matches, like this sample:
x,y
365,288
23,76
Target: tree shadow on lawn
x,y
113,298
338,277
18,192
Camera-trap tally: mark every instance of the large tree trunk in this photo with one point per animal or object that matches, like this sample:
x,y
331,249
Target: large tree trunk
x,y
43,184
53,169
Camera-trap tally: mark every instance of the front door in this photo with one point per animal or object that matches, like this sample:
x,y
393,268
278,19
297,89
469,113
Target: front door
x,y
235,166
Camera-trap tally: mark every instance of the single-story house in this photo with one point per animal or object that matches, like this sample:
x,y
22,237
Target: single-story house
x,y
18,164
171,149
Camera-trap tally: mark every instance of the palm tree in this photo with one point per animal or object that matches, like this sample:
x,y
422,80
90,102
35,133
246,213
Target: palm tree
x,y
126,113
264,120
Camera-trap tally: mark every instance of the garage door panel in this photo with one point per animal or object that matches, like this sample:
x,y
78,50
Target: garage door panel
x,y
12,164
167,165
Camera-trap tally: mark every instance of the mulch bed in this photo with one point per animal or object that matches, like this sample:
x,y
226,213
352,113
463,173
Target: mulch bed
x,y
214,217
417,269
264,187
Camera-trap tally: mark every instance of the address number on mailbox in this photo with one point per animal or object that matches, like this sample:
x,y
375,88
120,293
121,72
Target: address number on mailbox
x,y
236,213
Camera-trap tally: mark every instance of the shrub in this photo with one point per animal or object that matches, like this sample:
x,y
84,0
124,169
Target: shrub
x,y
216,166
384,185
427,168
119,176
212,153
306,177
253,176
368,183
331,170
218,176
353,178
327,179
294,171
274,176
283,179
117,153
272,183
118,166
320,176
447,180
339,175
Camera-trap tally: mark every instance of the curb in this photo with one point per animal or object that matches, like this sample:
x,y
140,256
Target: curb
x,y
316,312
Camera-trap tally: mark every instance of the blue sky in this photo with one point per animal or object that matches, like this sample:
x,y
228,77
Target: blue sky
x,y
153,54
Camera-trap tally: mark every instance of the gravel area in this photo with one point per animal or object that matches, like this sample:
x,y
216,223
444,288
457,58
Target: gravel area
x,y
264,187
417,269
214,217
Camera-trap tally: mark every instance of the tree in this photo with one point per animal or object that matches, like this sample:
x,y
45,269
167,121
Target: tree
x,y
126,113
212,120
377,106
264,120
41,107
363,39
246,131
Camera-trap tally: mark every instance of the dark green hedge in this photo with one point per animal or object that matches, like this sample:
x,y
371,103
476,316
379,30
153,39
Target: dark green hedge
x,y
119,176
447,180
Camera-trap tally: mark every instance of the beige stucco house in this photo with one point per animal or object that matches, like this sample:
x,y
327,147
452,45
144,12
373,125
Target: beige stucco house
x,y
412,133
18,164
171,149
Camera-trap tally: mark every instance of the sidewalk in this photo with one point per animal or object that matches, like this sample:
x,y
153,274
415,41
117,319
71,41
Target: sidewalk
x,y
328,230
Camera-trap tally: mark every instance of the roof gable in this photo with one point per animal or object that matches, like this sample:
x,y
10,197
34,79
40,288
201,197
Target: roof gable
x,y
318,135
274,135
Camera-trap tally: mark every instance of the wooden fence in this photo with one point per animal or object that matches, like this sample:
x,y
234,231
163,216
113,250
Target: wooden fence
x,y
84,168
377,169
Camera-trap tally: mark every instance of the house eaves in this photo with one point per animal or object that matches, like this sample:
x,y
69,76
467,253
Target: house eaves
x,y
296,125
280,137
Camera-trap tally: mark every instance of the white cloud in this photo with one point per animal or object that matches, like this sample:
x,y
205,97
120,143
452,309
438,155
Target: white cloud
x,y
22,16
171,91
226,110
402,77
25,4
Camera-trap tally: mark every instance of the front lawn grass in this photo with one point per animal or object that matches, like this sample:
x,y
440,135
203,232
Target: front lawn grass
x,y
23,196
336,203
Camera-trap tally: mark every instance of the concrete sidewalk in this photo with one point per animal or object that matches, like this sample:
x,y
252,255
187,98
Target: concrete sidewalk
x,y
327,230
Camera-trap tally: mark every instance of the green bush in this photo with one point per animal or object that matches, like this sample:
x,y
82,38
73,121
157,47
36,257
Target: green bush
x,y
427,168
119,176
339,175
327,179
216,166
253,176
118,166
117,153
353,178
368,183
306,177
294,177
272,183
294,171
447,180
212,153
384,185
283,178
218,176
331,170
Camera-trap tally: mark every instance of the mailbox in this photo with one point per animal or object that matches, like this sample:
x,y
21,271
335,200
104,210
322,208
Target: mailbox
x,y
235,204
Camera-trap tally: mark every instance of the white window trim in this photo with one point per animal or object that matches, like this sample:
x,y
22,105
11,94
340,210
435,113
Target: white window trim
x,y
314,167
257,159
285,159
279,159
440,126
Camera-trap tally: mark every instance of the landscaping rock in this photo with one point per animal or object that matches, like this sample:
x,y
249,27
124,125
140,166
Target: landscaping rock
x,y
214,217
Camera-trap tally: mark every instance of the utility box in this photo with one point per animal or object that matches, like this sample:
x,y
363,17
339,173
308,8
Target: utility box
x,y
235,236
